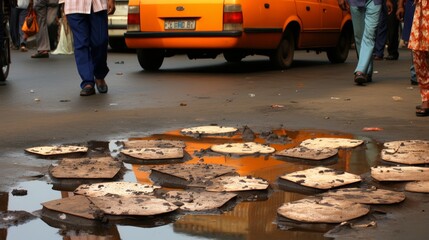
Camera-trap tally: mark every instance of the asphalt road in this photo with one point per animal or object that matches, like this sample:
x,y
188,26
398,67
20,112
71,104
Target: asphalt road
x,y
40,102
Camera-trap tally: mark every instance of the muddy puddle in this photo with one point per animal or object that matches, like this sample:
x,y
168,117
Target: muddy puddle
x,y
251,216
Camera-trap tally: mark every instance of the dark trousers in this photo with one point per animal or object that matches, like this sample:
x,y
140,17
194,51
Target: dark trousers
x,y
90,40
393,32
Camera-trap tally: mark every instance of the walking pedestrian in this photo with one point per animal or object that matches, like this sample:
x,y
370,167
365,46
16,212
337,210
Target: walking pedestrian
x,y
17,17
88,22
393,33
47,12
419,43
405,13
365,17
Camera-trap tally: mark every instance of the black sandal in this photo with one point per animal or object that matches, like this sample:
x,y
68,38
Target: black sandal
x,y
422,112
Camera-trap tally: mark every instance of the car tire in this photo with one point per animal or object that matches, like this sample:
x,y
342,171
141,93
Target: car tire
x,y
150,59
339,53
283,55
233,56
117,43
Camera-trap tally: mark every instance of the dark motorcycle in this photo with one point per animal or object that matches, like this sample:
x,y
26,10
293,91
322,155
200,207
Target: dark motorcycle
x,y
4,40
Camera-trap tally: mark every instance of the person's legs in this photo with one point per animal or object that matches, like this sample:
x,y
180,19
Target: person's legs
x,y
358,16
413,78
393,33
80,26
23,41
52,25
421,64
42,37
381,35
368,38
99,43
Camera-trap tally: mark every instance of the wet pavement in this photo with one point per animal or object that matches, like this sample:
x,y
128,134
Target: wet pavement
x,y
297,103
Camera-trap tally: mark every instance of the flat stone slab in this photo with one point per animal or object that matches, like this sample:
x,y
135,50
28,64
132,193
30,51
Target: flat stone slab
x,y
154,144
134,206
418,186
366,196
237,184
87,168
198,201
322,210
242,148
406,152
194,172
208,130
320,143
75,205
56,150
154,153
115,188
400,173
308,153
322,178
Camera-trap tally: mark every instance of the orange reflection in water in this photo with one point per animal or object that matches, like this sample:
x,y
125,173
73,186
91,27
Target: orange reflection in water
x,y
265,166
255,220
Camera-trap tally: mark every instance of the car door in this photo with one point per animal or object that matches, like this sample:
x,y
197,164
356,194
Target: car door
x,y
332,17
309,12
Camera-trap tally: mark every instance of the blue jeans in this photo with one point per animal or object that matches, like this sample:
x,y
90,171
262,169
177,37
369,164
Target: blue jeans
x,y
365,22
90,41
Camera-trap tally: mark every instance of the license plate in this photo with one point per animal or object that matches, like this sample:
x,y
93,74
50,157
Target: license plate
x,y
179,24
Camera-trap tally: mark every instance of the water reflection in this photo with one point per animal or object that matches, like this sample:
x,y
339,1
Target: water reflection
x,y
256,219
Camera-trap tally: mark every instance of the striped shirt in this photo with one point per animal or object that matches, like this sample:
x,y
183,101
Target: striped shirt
x,y
84,6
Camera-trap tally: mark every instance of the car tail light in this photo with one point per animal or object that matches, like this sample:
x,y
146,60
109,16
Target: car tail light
x,y
133,23
232,17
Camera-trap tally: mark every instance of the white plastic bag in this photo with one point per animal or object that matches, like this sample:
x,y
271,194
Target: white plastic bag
x,y
65,44
22,4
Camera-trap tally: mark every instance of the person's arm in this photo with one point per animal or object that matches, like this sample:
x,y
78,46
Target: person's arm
x,y
389,6
401,10
111,6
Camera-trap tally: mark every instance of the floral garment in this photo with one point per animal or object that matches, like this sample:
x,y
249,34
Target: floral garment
x,y
419,43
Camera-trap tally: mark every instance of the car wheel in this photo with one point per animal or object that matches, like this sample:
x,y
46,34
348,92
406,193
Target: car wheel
x,y
233,56
117,43
283,55
150,59
339,53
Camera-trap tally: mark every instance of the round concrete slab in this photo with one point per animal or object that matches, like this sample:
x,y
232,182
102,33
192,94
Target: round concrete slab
x,y
242,148
322,210
322,178
406,152
87,168
320,143
115,188
198,201
418,186
56,150
154,153
308,153
133,206
237,183
154,144
208,130
400,173
366,196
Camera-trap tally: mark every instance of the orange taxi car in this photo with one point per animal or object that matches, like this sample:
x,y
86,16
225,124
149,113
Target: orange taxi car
x,y
236,29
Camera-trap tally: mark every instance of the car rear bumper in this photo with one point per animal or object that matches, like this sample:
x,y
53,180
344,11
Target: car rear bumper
x,y
215,39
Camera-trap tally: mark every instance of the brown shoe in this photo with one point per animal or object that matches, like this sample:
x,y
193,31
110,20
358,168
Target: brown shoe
x,y
101,85
40,54
88,90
